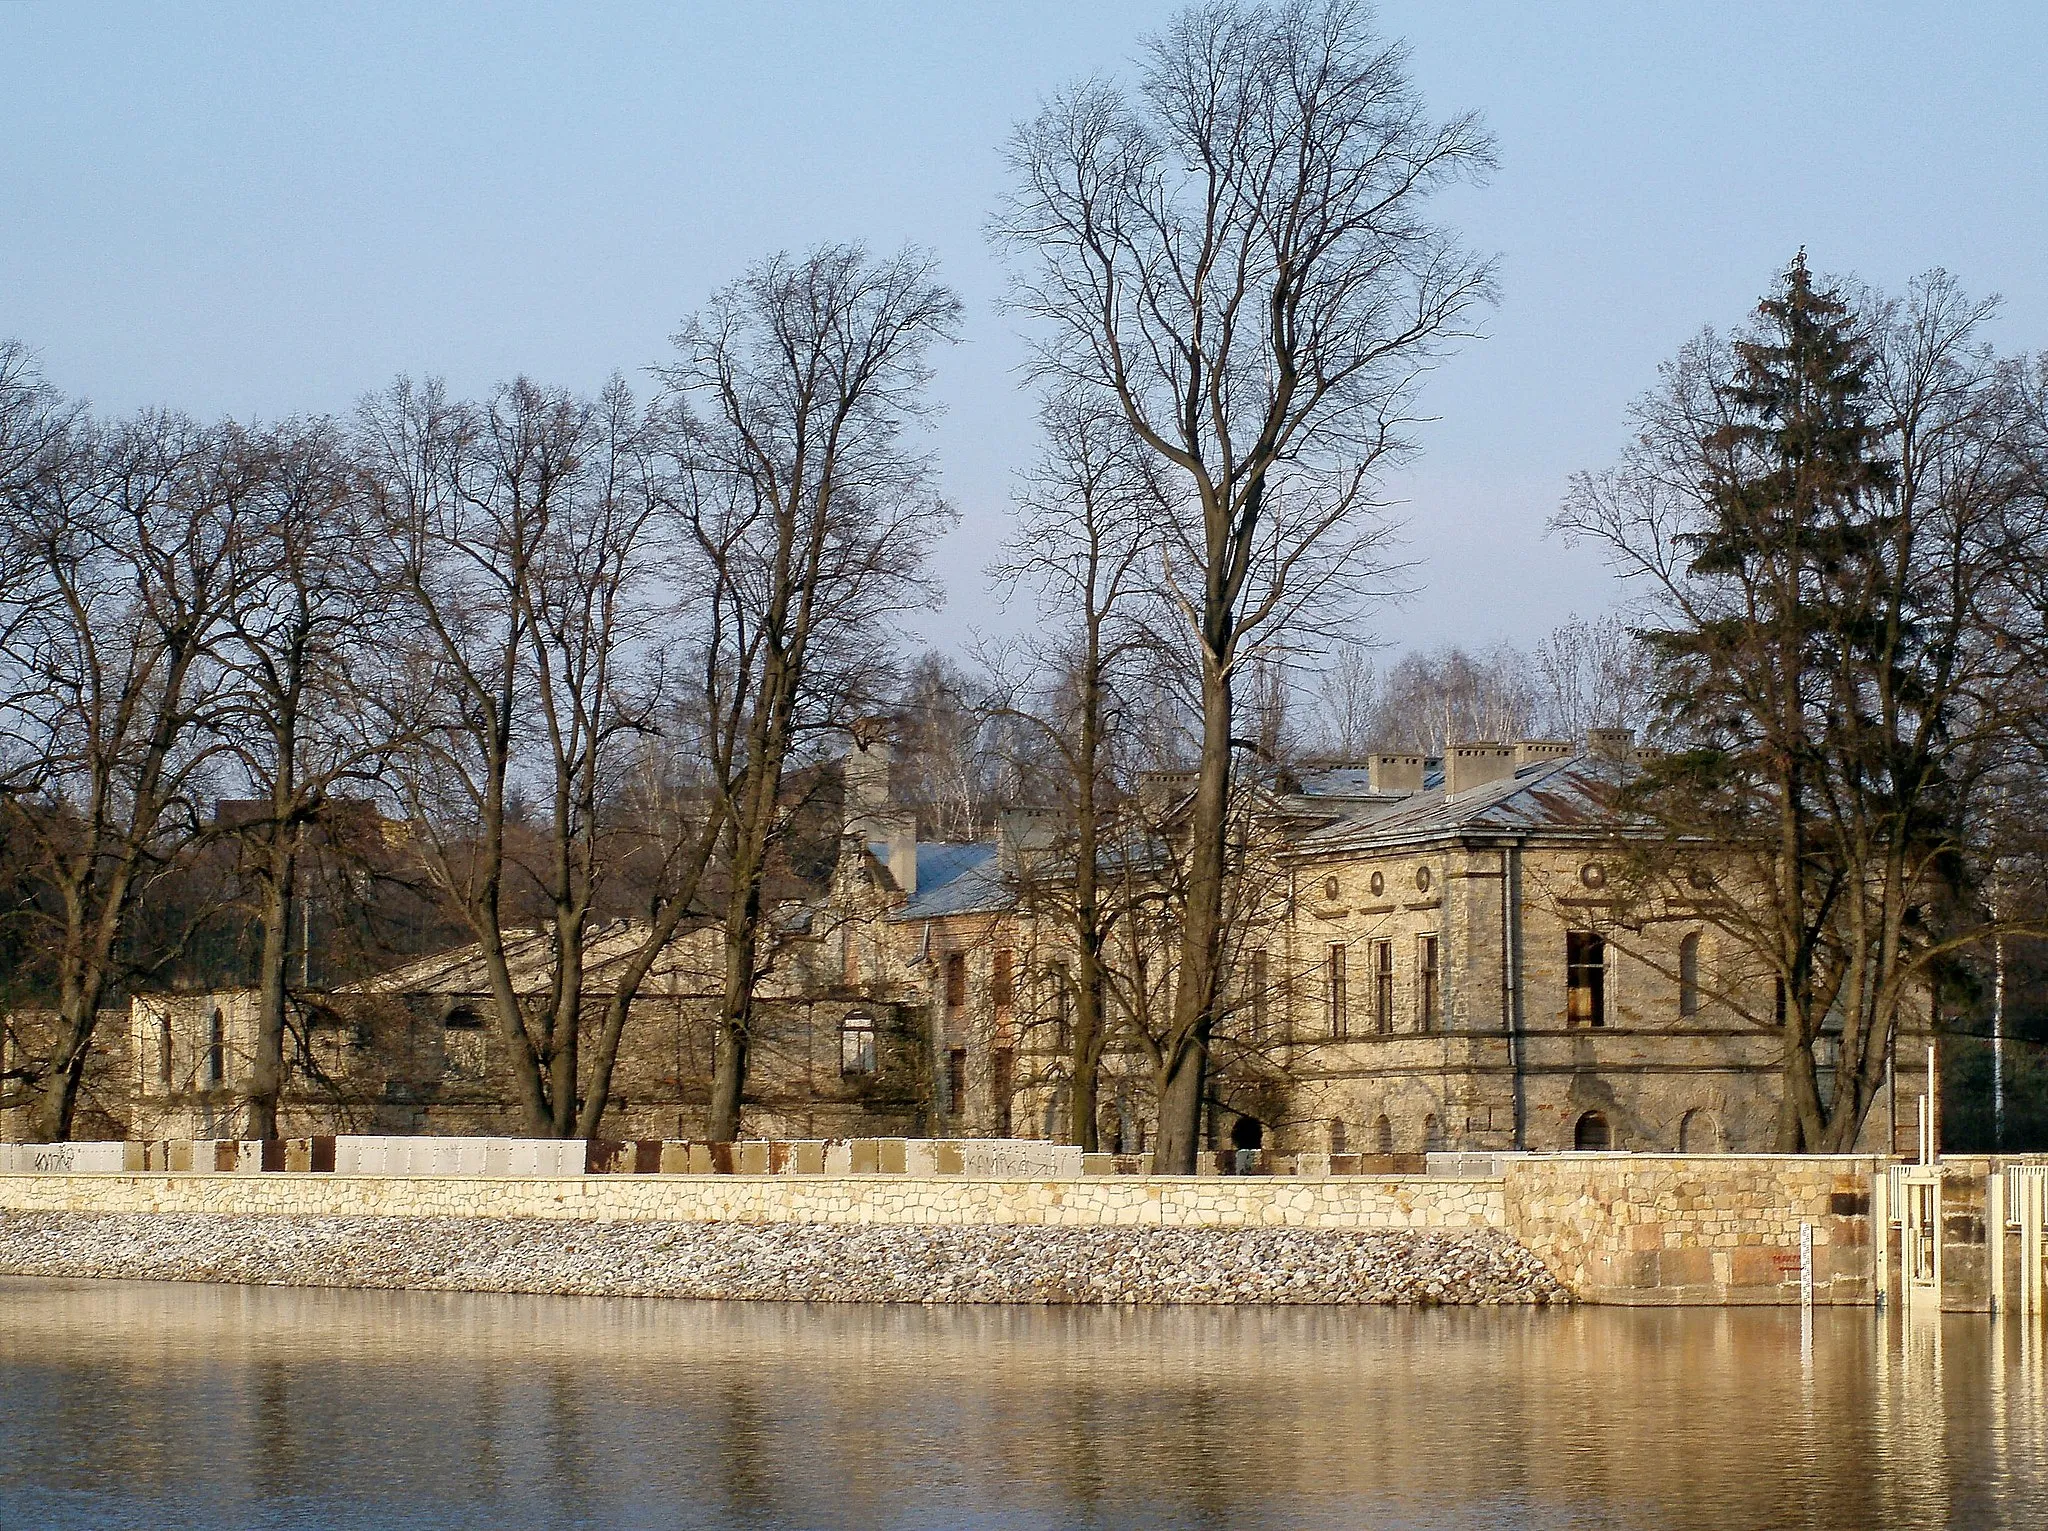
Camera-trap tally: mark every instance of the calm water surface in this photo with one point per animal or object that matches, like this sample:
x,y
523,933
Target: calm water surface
x,y
132,1404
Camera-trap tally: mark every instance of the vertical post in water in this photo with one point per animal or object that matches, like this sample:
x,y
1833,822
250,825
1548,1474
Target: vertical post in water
x,y
1806,1265
1994,1229
1881,1230
1998,1042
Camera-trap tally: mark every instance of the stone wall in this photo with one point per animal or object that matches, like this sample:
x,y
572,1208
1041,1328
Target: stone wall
x,y
1622,1228
1720,1230
1122,1201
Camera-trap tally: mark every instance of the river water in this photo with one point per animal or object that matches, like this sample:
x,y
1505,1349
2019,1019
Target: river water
x,y
143,1405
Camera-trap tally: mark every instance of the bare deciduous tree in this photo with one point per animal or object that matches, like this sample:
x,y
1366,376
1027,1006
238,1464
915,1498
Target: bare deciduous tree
x,y
1234,256
809,516
1086,544
116,546
528,532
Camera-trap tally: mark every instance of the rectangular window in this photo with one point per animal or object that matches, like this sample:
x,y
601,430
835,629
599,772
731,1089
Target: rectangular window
x,y
216,1050
956,1080
1001,1082
1258,995
999,984
1585,976
956,980
1425,983
1058,976
1339,1016
857,1045
1383,986
163,1050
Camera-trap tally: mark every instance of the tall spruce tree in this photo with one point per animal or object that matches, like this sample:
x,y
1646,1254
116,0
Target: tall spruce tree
x,y
1821,513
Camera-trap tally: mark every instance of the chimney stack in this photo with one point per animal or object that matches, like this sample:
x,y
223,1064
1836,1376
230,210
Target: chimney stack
x,y
1611,743
1476,763
1395,773
1530,752
870,817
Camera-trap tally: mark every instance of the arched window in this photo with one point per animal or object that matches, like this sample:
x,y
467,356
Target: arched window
x,y
216,1049
1689,975
1699,1132
1432,1134
1383,1136
857,1043
1247,1132
1591,1134
163,1049
1339,1138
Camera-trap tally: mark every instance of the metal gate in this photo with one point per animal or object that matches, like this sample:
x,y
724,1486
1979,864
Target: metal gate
x,y
1916,1212
2026,1208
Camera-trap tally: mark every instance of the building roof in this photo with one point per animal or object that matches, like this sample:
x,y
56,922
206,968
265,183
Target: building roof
x,y
953,879
1571,796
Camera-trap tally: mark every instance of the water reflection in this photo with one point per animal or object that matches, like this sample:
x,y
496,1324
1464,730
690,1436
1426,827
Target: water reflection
x,y
144,1405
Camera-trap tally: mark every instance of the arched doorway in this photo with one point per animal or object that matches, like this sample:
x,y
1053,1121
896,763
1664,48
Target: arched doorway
x,y
1247,1132
1592,1134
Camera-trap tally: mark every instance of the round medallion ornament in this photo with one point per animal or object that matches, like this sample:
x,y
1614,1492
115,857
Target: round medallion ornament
x,y
1422,879
1330,889
1379,884
1593,875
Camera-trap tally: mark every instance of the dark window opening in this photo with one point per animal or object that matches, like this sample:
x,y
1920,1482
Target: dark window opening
x,y
1062,1007
956,1080
1383,1135
1383,986
1425,983
1591,1135
1338,1136
1247,1132
1585,976
163,1049
216,1049
1339,1008
1689,975
999,984
1432,1134
956,980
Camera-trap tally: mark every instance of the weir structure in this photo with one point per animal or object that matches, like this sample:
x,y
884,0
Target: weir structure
x,y
1962,1233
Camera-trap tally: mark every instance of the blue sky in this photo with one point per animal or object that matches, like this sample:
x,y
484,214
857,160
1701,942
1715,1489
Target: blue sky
x,y
270,209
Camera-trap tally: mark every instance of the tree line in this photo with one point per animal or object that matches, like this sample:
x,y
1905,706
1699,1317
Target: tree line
x,y
587,651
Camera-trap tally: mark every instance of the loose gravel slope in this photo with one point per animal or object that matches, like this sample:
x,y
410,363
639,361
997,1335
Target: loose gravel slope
x,y
786,1261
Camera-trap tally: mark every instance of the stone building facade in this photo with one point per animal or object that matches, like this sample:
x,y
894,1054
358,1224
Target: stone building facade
x,y
1431,955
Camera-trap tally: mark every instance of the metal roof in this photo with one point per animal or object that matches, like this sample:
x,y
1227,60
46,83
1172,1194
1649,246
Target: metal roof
x,y
953,879
1555,796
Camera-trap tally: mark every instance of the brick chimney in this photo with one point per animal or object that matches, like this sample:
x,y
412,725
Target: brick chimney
x,y
1476,763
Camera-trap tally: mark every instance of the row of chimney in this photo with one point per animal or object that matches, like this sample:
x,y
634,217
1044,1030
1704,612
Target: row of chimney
x,y
875,820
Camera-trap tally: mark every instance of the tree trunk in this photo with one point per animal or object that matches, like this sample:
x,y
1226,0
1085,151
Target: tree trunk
x,y
267,1067
1184,1069
736,1003
55,1100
